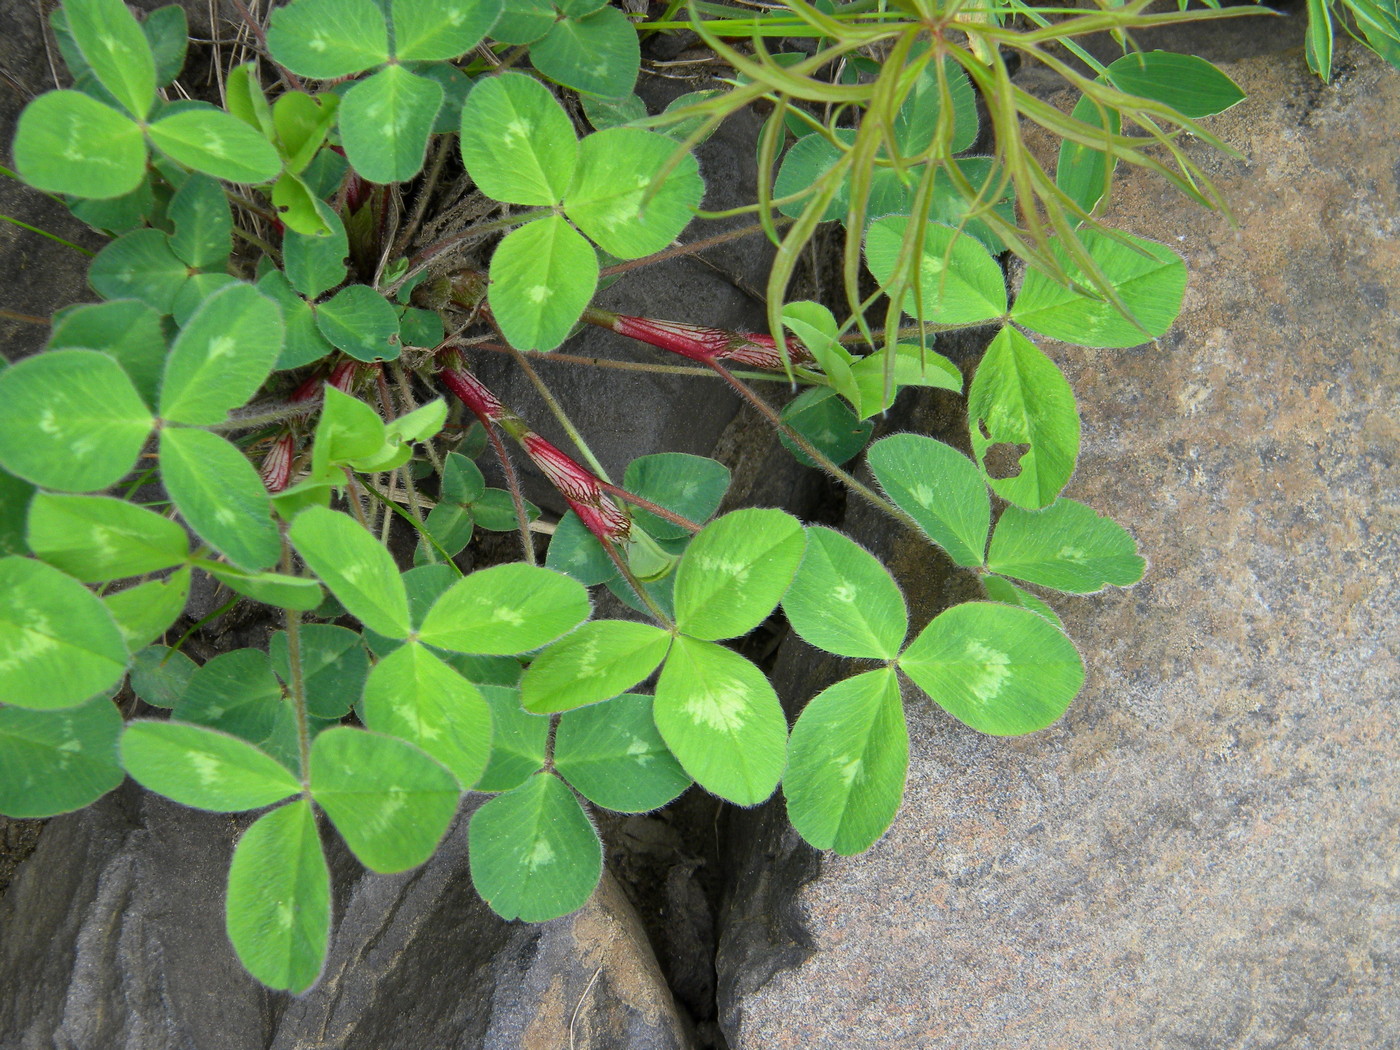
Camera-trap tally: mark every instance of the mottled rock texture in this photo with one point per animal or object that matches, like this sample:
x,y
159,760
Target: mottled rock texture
x,y
1205,852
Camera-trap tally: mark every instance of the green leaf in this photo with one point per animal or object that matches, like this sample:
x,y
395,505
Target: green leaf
x,y
221,356
58,645
270,588
814,325
430,29
192,294
517,142
721,719
576,552
916,123
846,763
615,169
97,538
959,281
542,276
598,661
302,122
518,740
913,366
204,768
1019,396
1150,278
356,567
604,113
279,899
244,98
220,496
361,322
1190,85
334,667
327,39
1082,171
297,206
598,54
939,488
524,21
691,486
304,341
70,420
348,429
14,513
413,695
534,855
614,756
214,142
1067,546
203,234
1003,671
146,611
806,161
1317,41
389,801
385,122
735,571
236,693
117,215
827,422
69,143
167,32
54,762
844,601
495,510
505,609
159,675
420,327
1006,592
316,264
125,329
462,480
451,527
139,265
114,46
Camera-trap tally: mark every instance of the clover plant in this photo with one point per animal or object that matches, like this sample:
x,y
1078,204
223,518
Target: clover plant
x,y
258,397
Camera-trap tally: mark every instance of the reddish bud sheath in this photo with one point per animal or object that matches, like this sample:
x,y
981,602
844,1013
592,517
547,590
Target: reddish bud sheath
x,y
709,344
484,404
276,470
580,489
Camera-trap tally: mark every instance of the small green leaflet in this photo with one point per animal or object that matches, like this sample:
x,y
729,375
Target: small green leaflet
x,y
327,39
939,488
140,265
214,142
356,567
959,281
68,142
70,420
113,44
1019,396
1190,85
576,551
916,123
270,588
542,276
220,496
98,538
204,768
234,692
814,325
517,142
1067,546
304,341
279,899
221,356
146,611
826,421
54,762
846,763
160,674
913,366
534,855
614,756
691,486
194,291
385,121
599,54
1082,171
518,740
167,31
361,322
58,644
14,510
1006,592
598,661
844,601
719,716
203,224
348,429
735,571
127,330
504,610
316,264
431,29
389,801
334,666
1000,669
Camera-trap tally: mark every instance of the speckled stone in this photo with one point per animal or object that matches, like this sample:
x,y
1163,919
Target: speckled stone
x,y
1205,852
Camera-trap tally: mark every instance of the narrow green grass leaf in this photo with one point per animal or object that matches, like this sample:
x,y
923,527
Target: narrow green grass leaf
x,y
221,356
220,496
504,610
361,322
598,53
328,39
938,487
204,768
1067,546
735,571
598,661
54,762
214,142
385,121
114,46
959,282
542,276
358,569
146,611
844,601
98,538
614,756
517,142
67,142
431,29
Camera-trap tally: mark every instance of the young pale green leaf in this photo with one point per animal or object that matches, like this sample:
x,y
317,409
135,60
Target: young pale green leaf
x,y
534,855
1190,85
422,423
58,644
297,206
389,801
304,342
221,356
114,46
722,720
348,429
385,122
598,661
1006,592
328,39
236,693
614,756
203,234
913,366
615,169
846,763
1084,172
279,899
214,142
1003,671
316,264
1019,396
204,768
160,674
598,54
146,611
1067,546
70,420
220,496
1149,277
517,142
334,667
126,329
430,29
519,740
270,588
246,100
504,610
735,571
140,265
814,325
844,601
361,322
958,280
302,122
576,552
542,276
98,538
54,762
358,569
827,422
939,488
692,486
413,695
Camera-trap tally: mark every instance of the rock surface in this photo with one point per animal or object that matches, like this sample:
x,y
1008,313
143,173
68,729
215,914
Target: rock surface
x,y
1203,853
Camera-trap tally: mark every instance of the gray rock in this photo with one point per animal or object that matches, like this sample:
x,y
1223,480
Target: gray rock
x,y
1202,853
